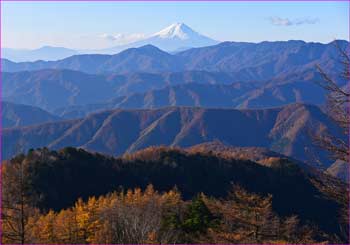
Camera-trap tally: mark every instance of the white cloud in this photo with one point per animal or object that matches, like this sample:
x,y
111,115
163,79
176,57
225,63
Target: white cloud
x,y
121,38
306,21
278,21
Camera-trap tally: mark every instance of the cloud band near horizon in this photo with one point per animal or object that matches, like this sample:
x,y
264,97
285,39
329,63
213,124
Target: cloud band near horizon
x,y
278,21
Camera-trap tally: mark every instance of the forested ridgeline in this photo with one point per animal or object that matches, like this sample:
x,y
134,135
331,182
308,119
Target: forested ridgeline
x,y
165,195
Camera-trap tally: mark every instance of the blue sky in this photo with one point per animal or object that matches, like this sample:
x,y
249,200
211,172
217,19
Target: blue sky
x,y
86,25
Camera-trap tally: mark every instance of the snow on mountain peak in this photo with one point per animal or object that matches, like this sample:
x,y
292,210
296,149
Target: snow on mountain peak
x,y
175,37
176,30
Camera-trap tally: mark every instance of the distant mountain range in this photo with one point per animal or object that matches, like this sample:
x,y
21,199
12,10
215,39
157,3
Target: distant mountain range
x,y
283,72
44,53
249,61
235,95
176,37
285,130
52,89
187,94
74,94
145,59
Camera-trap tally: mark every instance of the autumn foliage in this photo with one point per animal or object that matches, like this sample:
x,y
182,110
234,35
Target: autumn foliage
x,y
137,216
149,214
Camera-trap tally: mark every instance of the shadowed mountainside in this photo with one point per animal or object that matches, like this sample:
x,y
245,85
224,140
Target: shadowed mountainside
x,y
285,130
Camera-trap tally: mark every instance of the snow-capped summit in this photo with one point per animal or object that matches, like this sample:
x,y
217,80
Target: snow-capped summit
x,y
176,30
176,37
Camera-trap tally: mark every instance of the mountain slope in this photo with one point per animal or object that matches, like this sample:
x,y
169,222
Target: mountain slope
x,y
284,130
15,115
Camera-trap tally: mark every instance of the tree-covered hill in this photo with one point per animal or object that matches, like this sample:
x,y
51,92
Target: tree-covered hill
x,y
56,179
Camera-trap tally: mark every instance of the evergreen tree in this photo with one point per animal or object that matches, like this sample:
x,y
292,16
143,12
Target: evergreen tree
x,y
198,217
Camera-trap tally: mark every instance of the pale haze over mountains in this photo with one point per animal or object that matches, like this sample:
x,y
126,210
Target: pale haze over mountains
x,y
43,53
176,37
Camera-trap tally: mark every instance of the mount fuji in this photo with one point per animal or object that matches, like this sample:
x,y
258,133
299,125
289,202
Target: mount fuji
x,y
176,37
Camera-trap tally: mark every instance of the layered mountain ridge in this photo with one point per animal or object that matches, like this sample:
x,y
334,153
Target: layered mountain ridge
x,y
250,61
286,130
54,89
227,75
